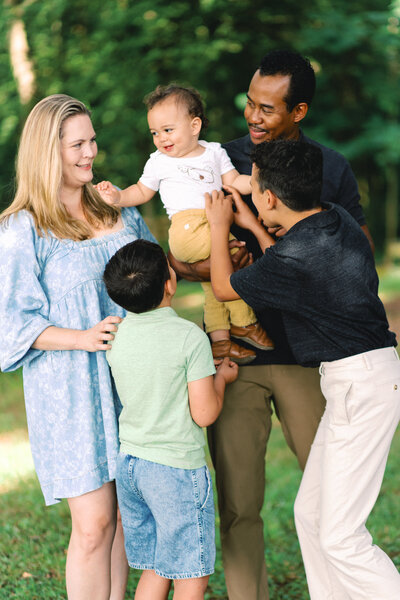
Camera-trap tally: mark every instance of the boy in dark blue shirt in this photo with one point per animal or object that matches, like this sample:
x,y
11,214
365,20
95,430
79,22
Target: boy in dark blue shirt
x,y
321,275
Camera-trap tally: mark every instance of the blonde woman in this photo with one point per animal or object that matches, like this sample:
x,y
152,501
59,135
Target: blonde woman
x,y
56,321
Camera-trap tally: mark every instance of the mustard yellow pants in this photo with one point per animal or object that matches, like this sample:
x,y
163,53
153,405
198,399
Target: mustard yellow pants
x,y
190,241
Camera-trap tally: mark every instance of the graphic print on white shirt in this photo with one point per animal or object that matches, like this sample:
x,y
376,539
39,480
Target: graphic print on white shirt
x,y
205,175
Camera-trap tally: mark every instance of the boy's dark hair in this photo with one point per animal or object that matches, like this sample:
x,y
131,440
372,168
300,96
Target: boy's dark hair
x,y
135,276
291,170
189,97
302,76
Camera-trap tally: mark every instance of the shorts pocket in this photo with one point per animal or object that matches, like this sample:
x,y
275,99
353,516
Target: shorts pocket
x,y
202,487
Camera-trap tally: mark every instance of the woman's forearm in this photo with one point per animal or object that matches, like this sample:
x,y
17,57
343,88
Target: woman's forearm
x,y
91,340
58,338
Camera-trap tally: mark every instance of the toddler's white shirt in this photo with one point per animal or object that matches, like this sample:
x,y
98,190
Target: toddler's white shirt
x,y
182,182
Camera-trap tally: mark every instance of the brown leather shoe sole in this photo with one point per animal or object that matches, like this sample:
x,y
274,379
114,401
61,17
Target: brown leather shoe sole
x,y
253,343
227,348
239,333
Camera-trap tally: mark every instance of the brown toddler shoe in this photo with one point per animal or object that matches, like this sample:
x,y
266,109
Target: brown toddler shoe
x,y
254,335
239,355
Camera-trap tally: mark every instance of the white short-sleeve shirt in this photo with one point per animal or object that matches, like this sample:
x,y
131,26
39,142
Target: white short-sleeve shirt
x,y
182,182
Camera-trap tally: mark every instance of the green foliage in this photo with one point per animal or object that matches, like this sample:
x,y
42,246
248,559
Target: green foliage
x,y
110,53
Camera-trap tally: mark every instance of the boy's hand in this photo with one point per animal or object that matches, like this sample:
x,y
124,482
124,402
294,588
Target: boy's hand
x,y
227,369
109,193
243,216
277,231
219,209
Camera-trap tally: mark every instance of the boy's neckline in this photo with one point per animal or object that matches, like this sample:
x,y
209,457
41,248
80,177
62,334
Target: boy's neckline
x,y
150,313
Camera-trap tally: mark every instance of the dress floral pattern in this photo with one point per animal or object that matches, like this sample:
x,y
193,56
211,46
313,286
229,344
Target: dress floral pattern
x,y
71,403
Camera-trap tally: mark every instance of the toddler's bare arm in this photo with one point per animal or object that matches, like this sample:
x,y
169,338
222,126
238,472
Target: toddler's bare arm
x,y
134,195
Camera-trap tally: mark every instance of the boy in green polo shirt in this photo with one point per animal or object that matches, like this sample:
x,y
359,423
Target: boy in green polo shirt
x,y
163,370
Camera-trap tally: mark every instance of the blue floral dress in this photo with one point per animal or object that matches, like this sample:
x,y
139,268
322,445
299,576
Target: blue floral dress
x,y
71,403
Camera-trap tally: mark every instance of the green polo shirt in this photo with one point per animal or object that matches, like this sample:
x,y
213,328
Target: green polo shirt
x,y
153,358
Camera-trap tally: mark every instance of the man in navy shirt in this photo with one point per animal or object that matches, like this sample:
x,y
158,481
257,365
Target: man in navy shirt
x,y
321,275
279,96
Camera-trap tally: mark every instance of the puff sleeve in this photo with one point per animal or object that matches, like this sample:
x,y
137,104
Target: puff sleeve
x,y
134,219
24,307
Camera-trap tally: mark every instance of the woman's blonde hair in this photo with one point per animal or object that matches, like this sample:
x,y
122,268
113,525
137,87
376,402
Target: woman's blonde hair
x,y
39,174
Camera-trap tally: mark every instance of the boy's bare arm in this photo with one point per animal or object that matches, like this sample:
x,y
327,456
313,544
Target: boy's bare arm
x,y
134,195
206,396
246,219
220,217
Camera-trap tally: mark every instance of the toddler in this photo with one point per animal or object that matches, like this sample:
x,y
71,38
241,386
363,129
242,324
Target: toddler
x,y
183,169
163,370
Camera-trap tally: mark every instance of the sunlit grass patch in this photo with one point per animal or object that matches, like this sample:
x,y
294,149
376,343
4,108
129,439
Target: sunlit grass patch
x,y
15,459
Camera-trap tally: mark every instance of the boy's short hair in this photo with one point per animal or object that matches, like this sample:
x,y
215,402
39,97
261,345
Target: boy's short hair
x,y
188,97
135,276
292,171
302,76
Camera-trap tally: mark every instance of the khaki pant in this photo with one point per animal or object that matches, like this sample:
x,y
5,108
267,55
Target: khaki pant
x,y
343,477
238,442
190,241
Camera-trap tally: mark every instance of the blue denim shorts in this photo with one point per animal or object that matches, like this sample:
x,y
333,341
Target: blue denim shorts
x,y
167,516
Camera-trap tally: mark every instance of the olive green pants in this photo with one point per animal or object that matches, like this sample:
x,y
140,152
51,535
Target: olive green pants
x,y
238,442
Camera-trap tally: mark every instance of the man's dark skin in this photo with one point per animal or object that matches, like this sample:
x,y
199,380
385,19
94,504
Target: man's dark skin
x,y
268,119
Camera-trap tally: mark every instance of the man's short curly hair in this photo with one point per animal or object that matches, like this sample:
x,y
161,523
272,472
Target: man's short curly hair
x,y
302,76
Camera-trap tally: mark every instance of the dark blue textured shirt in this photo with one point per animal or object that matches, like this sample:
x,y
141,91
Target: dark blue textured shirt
x,y
321,276
339,186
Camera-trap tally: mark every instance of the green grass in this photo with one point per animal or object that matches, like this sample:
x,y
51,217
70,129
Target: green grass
x,y
34,539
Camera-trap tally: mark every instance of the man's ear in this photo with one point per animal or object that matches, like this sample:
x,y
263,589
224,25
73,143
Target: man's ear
x,y
196,125
300,111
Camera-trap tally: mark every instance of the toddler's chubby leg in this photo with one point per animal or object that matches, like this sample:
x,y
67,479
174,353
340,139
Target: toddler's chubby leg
x,y
152,587
190,589
216,319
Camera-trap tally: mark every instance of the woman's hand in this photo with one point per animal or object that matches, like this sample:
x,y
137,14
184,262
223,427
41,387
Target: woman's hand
x,y
91,340
96,338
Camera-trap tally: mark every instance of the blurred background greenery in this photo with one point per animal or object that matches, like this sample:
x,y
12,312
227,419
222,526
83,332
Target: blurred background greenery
x,y
110,53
